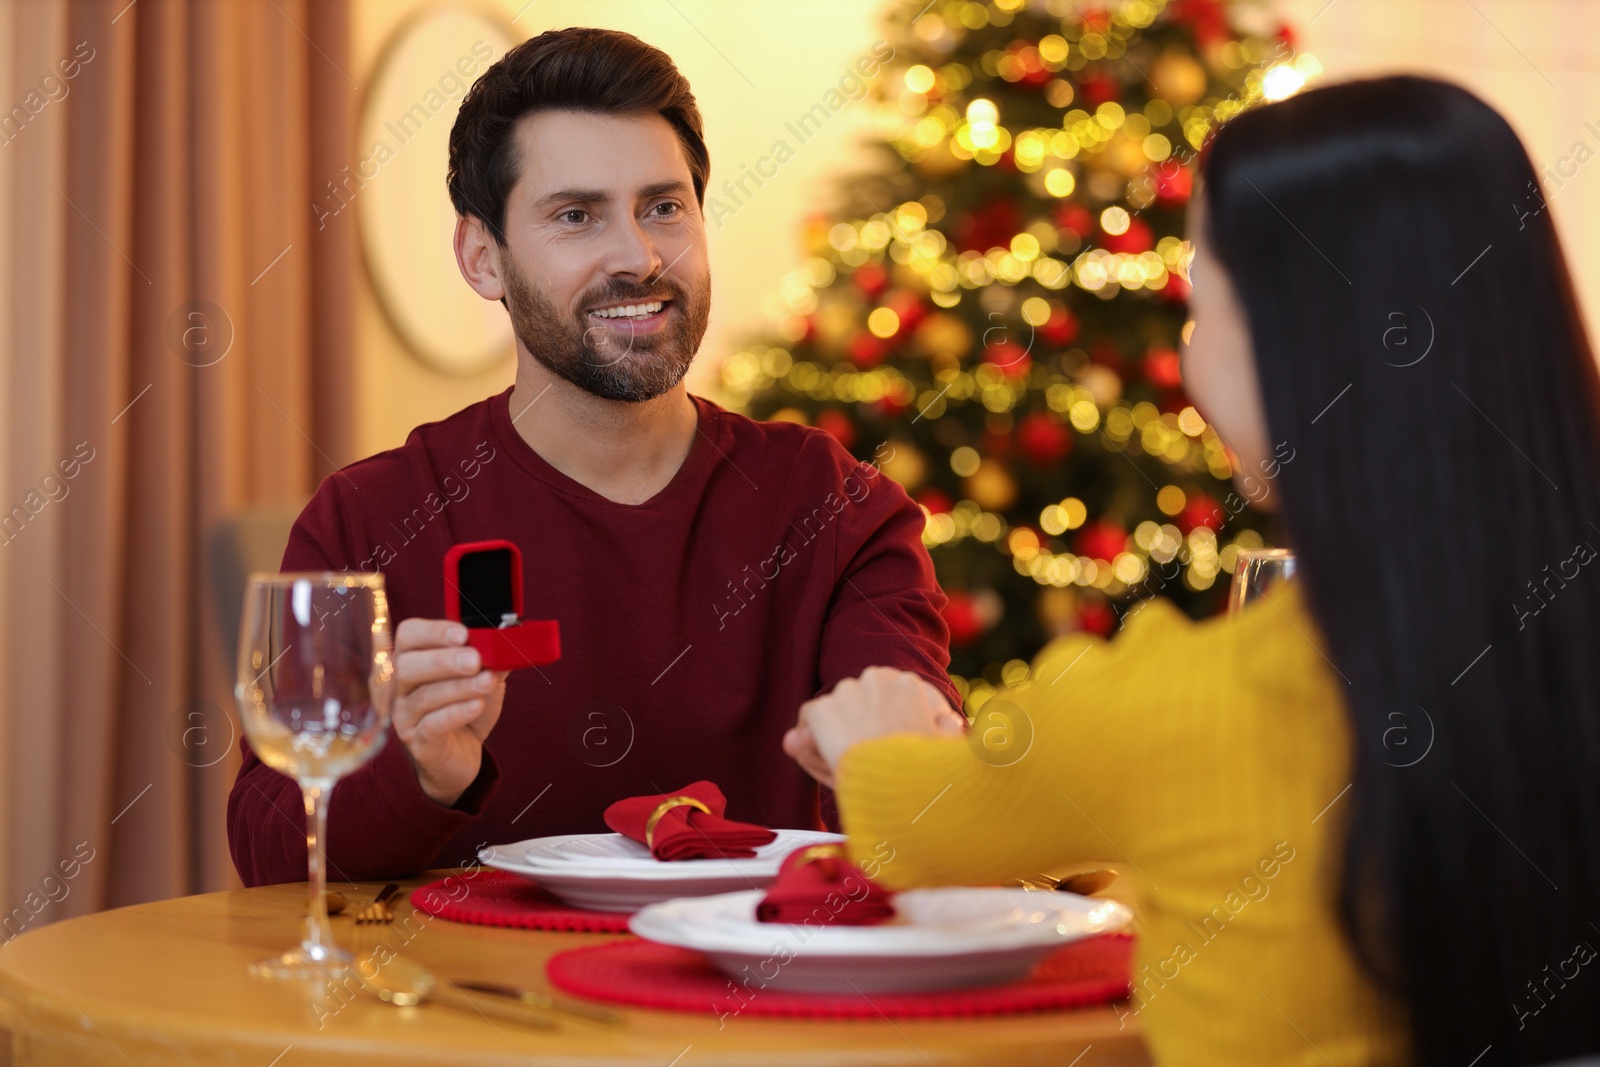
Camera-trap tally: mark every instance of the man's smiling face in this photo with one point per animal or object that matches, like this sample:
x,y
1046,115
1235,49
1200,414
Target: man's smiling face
x,y
605,269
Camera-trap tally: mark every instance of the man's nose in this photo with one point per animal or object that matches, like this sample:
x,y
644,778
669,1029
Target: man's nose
x,y
633,251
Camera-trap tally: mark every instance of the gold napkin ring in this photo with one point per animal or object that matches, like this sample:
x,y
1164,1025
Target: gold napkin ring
x,y
661,809
818,853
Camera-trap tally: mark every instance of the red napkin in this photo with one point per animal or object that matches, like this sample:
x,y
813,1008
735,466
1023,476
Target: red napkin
x,y
818,885
676,829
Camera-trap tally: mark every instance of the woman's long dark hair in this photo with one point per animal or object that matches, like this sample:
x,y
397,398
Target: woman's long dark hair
x,y
1418,343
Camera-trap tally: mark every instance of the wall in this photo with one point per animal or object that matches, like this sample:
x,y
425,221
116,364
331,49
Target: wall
x,y
1534,60
755,65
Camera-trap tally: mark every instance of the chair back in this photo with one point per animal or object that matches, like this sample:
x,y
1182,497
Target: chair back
x,y
253,540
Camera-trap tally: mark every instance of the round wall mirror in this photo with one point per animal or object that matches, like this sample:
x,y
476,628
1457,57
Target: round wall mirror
x,y
398,186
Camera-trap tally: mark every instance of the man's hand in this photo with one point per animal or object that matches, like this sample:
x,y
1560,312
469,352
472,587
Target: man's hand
x,y
883,701
444,705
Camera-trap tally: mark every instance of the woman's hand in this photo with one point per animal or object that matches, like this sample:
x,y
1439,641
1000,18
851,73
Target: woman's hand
x,y
882,702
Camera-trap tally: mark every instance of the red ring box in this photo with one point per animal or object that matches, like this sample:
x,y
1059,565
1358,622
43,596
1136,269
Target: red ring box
x,y
483,589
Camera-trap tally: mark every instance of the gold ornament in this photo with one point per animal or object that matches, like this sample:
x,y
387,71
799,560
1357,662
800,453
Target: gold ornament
x,y
1103,383
1124,155
991,486
1178,77
905,276
814,236
988,606
1057,610
939,162
942,333
836,321
905,463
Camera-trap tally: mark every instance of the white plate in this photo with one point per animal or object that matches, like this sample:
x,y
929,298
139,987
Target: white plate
x,y
940,939
609,872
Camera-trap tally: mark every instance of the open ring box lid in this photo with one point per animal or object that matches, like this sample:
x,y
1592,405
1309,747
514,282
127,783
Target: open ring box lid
x,y
483,590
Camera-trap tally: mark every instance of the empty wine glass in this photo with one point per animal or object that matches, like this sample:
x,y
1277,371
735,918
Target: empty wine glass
x,y
1257,570
314,687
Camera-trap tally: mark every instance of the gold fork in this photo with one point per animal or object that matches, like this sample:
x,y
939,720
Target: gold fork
x,y
378,911
1086,883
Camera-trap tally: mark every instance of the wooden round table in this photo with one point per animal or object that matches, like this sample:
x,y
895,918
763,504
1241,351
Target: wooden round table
x,y
165,983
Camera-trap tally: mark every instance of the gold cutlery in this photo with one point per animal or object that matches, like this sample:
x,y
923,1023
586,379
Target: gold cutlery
x,y
405,984
1083,883
1086,883
543,1001
378,911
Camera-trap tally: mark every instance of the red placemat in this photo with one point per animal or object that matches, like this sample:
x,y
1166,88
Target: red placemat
x,y
647,975
499,898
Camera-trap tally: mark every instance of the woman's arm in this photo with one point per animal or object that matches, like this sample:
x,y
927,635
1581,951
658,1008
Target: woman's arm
x,y
1061,769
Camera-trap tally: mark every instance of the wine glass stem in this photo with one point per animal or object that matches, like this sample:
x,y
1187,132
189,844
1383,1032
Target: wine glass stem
x,y
319,935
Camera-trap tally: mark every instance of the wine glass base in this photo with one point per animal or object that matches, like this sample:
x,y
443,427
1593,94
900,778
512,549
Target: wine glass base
x,y
307,961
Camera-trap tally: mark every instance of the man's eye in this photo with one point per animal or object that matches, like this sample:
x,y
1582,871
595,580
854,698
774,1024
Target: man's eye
x,y
671,209
566,216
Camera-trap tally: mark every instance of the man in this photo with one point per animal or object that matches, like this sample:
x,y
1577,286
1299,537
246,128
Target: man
x,y
709,573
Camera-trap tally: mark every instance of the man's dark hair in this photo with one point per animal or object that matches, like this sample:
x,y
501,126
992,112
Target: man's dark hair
x,y
579,69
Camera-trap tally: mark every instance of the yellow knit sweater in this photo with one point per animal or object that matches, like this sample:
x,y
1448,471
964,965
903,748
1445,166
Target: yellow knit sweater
x,y
1211,760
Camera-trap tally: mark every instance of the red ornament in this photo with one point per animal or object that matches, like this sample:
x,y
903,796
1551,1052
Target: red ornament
x,y
891,408
1096,87
1037,76
1096,619
1102,540
1172,402
1104,352
1027,55
1174,182
1135,239
1162,368
989,226
908,307
866,350
1207,17
1199,510
838,424
1061,328
1008,357
961,615
995,445
935,501
871,279
1075,217
1176,290
1043,439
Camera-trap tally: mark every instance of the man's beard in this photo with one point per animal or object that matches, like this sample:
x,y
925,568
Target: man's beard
x,y
610,363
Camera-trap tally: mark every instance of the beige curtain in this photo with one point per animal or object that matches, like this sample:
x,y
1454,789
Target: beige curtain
x,y
158,162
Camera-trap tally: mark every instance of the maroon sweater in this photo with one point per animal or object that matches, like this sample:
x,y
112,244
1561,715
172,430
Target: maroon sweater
x,y
692,628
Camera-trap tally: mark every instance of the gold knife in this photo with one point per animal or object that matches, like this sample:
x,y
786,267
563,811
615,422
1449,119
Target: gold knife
x,y
544,1001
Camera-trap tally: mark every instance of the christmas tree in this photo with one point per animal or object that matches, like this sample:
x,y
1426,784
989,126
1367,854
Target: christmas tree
x,y
994,316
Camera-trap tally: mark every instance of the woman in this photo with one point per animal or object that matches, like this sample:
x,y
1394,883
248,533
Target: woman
x,y
1363,815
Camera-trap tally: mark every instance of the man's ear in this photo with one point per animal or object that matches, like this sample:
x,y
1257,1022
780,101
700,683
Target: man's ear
x,y
478,256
